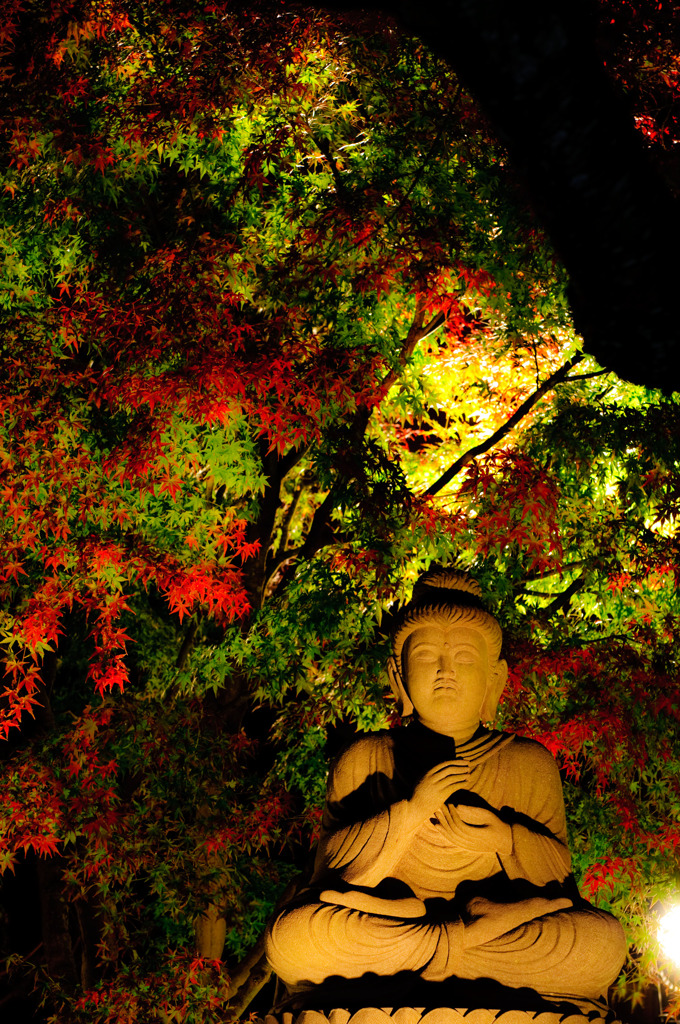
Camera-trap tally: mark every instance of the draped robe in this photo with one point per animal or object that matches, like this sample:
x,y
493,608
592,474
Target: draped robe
x,y
370,845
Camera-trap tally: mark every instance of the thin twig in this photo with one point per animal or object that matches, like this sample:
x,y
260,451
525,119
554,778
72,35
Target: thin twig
x,y
325,151
553,572
479,449
585,376
421,169
416,333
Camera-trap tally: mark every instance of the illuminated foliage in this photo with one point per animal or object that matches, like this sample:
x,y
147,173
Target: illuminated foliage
x,y
278,332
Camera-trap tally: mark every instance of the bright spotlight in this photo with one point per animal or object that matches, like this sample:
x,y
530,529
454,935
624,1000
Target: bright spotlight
x,y
669,935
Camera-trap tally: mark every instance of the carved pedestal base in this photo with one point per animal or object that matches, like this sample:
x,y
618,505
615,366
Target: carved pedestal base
x,y
441,1015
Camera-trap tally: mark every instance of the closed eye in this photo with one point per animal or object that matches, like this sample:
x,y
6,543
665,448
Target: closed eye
x,y
424,650
426,656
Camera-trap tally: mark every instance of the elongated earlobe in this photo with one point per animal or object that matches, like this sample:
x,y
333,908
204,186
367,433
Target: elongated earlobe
x,y
404,703
494,689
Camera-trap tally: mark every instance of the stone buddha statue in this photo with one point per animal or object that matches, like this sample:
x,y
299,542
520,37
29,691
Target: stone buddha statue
x,y
443,857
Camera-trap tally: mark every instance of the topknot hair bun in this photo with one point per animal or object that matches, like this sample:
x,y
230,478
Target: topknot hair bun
x,y
453,594
446,579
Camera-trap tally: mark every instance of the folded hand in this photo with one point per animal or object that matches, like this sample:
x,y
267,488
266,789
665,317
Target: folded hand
x,y
476,829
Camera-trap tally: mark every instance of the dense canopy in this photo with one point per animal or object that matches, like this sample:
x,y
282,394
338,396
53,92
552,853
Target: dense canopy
x,y
279,330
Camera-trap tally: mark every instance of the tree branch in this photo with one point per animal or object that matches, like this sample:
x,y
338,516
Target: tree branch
x,y
320,522
280,553
563,600
557,377
585,376
290,459
259,977
284,556
249,977
275,469
546,575
187,642
421,169
325,151
320,532
416,333
318,535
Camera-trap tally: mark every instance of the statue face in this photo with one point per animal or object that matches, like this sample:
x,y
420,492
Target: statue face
x,y
447,674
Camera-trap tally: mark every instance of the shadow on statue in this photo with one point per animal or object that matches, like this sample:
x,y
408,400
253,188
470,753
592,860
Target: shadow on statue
x,y
407,988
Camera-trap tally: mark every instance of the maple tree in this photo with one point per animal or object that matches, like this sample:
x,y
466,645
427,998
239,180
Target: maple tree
x,y
278,332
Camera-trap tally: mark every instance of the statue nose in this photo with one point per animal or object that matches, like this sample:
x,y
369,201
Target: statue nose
x,y
446,663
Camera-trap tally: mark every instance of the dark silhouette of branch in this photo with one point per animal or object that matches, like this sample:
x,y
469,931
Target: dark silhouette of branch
x,y
325,151
416,333
545,575
187,642
558,377
558,602
320,532
281,552
290,459
563,600
318,536
275,468
246,981
585,376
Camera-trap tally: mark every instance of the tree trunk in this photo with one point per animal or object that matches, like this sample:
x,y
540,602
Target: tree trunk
x,y
56,935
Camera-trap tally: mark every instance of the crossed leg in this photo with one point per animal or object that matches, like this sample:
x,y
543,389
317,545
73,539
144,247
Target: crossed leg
x,y
578,952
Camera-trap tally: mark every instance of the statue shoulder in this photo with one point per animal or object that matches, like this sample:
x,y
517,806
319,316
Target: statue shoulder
x,y
530,754
365,756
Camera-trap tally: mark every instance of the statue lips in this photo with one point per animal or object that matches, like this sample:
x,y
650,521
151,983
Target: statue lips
x,y
448,684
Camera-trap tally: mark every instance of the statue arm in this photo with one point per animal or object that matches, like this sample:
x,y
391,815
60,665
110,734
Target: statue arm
x,y
539,854
362,848
540,859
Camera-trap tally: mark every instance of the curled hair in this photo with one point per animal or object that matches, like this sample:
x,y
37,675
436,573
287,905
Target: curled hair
x,y
453,599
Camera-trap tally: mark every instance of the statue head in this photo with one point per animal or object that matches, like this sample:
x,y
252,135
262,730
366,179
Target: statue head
x,y
445,623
